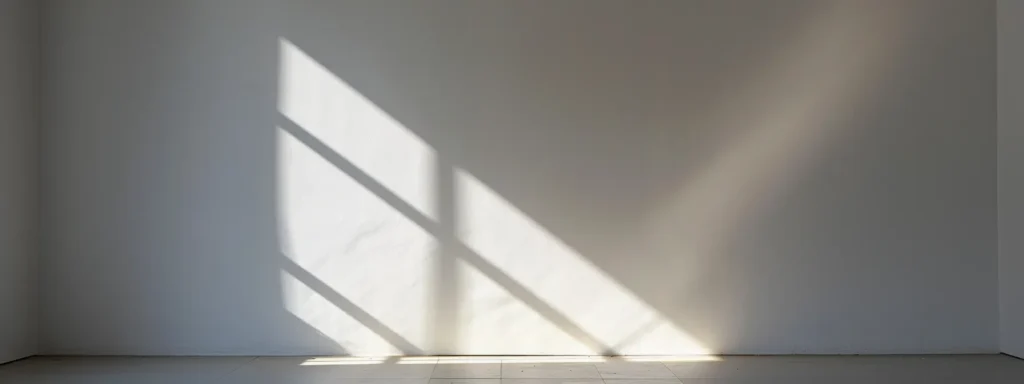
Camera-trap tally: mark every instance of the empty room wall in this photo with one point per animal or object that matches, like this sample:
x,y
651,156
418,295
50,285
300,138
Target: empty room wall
x,y
519,177
17,179
1011,179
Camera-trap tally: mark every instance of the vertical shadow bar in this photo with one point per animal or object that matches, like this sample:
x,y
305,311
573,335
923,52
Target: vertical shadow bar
x,y
444,336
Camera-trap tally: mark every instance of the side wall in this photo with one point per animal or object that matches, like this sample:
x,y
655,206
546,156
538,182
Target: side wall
x,y
18,276
1011,176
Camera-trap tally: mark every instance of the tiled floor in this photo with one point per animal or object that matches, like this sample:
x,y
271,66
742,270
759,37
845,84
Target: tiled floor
x,y
981,369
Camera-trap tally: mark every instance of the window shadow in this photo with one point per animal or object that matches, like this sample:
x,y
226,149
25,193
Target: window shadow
x,y
350,308
444,232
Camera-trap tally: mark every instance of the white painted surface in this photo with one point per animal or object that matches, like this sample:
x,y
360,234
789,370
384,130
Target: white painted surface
x,y
520,177
18,277
1011,179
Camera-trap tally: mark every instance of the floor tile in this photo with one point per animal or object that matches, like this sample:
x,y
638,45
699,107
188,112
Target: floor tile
x,y
309,378
642,381
465,381
472,370
105,378
946,369
341,368
702,369
553,359
763,367
551,381
854,369
549,371
118,370
633,370
127,365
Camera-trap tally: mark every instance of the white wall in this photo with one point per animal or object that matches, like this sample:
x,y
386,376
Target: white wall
x,y
1011,180
519,177
18,277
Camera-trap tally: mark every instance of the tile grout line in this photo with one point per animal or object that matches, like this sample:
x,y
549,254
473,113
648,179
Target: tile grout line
x,y
432,370
671,371
222,377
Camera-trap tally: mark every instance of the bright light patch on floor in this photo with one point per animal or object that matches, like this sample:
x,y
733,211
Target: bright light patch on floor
x,y
355,360
468,359
671,359
553,359
344,361
416,359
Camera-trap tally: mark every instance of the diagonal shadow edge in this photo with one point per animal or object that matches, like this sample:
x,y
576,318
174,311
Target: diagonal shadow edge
x,y
522,293
339,300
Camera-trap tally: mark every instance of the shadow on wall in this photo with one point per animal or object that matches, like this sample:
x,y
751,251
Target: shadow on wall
x,y
521,177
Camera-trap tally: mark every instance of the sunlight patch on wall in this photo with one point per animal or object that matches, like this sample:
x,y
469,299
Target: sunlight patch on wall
x,y
358,245
334,227
357,219
330,321
529,254
495,322
350,124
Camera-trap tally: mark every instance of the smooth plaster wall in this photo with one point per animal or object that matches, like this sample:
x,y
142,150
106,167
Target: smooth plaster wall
x,y
519,177
1011,179
18,203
